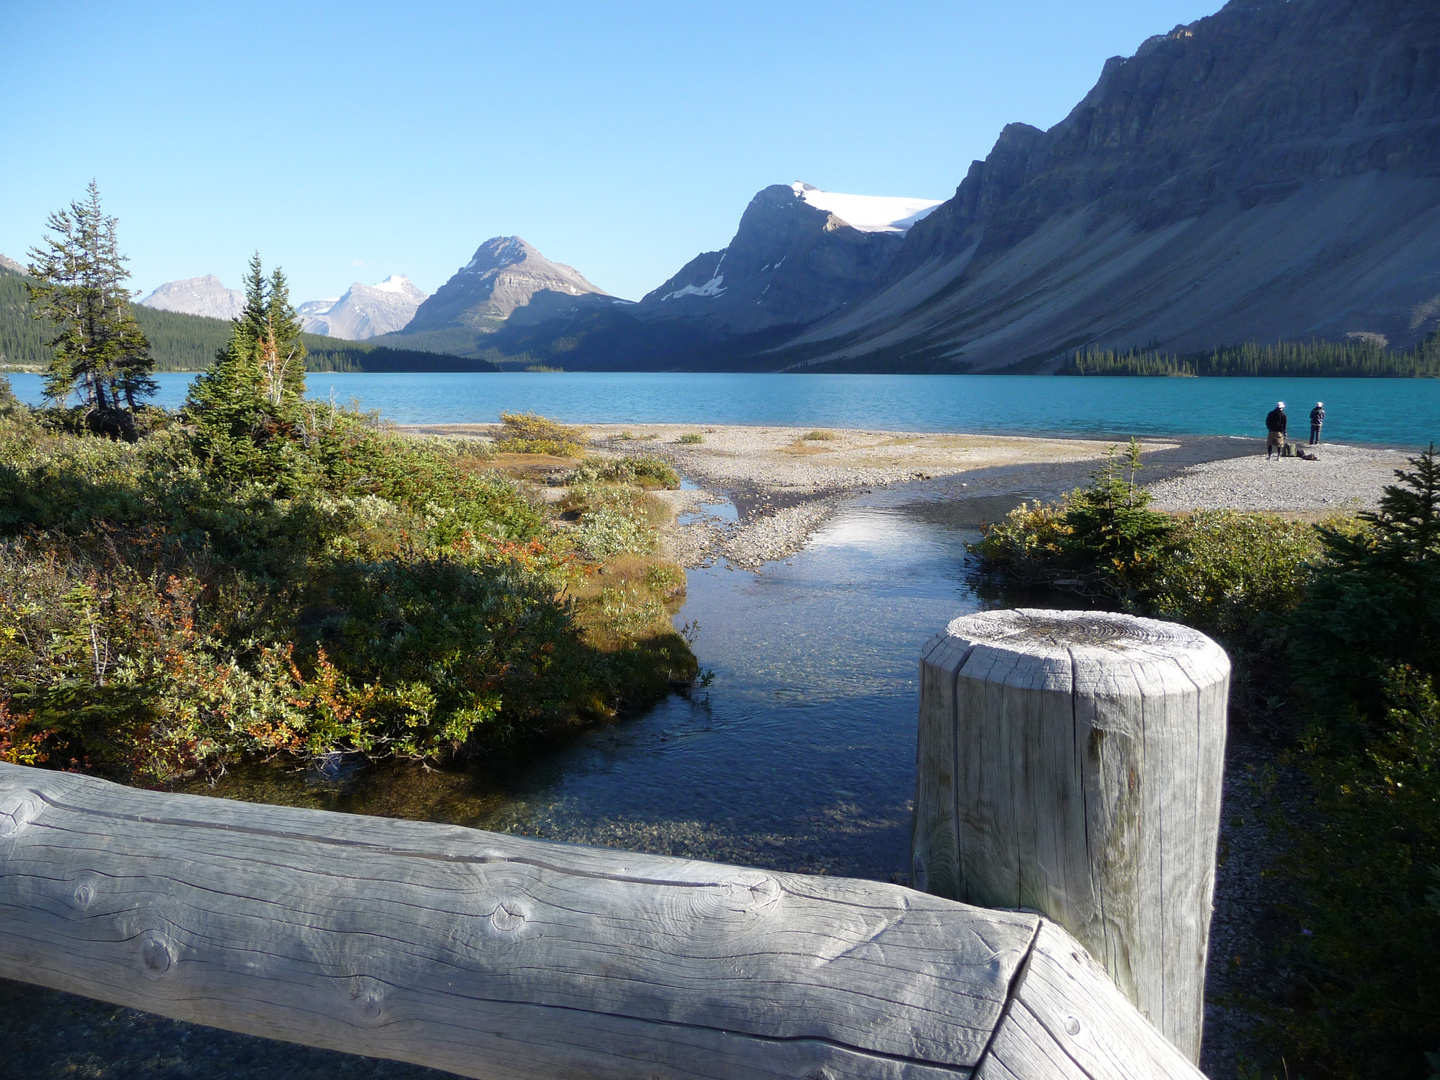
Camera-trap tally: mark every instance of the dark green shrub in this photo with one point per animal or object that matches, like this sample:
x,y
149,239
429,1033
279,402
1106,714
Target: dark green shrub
x,y
1376,603
1103,537
1363,934
1364,862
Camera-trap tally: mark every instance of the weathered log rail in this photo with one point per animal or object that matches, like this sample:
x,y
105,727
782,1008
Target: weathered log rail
x,y
503,957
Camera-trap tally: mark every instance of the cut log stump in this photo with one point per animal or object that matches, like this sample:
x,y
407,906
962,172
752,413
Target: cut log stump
x,y
509,958
1071,763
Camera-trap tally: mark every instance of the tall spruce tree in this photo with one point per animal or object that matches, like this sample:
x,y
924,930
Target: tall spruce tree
x,y
99,347
252,393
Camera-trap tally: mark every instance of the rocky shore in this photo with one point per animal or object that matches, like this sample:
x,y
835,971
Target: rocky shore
x,y
786,482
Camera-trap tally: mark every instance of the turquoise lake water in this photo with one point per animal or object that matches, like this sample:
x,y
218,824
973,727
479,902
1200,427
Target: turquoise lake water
x,y
1401,412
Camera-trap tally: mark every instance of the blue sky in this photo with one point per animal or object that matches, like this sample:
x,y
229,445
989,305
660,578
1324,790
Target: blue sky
x,y
350,141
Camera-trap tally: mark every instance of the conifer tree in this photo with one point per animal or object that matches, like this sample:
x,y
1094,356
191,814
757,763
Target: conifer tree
x,y
99,346
1372,606
252,392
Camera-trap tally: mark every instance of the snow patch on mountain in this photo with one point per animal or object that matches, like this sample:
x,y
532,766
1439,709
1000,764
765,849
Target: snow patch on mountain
x,y
868,213
364,311
396,283
713,287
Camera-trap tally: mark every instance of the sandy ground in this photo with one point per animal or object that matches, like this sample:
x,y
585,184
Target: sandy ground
x,y
784,486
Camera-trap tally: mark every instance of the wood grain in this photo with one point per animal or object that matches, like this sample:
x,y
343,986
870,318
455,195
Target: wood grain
x,y
1088,750
495,956
487,955
1068,1020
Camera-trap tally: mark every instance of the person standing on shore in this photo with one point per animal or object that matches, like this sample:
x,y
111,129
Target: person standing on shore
x,y
1275,424
1317,417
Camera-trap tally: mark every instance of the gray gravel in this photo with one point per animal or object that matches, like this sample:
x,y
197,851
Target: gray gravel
x,y
1345,479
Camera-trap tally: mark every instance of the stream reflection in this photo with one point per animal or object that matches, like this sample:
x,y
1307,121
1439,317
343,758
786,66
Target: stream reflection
x,y
799,755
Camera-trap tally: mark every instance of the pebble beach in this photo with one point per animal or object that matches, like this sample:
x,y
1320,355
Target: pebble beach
x,y
786,482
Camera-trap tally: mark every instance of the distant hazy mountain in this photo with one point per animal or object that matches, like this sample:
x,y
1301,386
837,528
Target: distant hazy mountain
x,y
205,296
799,254
507,281
365,310
11,265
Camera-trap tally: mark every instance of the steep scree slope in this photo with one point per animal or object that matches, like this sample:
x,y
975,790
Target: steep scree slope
x,y
1270,171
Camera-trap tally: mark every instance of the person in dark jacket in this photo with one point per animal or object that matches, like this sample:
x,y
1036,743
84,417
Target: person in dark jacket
x,y
1317,417
1275,423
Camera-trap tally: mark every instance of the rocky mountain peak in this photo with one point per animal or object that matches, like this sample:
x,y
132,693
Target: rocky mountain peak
x,y
205,295
799,253
364,311
11,265
506,276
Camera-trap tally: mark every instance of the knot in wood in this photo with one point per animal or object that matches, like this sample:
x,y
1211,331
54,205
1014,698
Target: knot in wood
x,y
508,916
155,952
17,810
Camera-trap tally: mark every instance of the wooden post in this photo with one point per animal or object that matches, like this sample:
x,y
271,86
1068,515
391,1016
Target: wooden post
x,y
1071,763
508,958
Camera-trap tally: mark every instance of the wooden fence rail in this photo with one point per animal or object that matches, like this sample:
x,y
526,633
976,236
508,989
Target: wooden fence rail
x,y
503,957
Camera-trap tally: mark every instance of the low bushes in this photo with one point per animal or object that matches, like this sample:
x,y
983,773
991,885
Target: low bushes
x,y
1341,618
647,471
527,433
193,597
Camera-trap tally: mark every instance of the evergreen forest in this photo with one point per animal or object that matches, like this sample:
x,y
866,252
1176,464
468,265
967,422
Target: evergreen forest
x,y
1361,358
181,342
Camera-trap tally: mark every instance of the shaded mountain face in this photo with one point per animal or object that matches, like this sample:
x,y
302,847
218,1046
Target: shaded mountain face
x,y
1271,171
794,259
198,296
506,280
364,310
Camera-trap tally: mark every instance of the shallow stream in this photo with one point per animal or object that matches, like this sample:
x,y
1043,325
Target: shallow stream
x,y
798,755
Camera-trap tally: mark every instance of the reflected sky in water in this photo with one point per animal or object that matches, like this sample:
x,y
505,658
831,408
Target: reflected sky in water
x,y
801,752
799,755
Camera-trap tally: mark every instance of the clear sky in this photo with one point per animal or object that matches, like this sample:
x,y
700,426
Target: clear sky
x,y
350,141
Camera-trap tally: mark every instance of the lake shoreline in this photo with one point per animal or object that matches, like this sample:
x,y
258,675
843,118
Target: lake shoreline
x,y
786,482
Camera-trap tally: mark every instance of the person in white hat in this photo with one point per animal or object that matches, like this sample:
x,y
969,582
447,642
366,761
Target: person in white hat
x,y
1317,417
1275,423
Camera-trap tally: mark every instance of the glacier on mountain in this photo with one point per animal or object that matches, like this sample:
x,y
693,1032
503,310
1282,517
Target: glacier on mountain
x,y
868,213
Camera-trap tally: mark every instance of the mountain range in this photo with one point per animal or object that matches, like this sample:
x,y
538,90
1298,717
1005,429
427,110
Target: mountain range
x,y
1268,172
793,260
364,311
